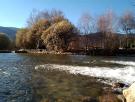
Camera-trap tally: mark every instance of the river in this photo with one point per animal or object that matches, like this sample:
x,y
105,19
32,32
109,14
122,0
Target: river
x,y
53,78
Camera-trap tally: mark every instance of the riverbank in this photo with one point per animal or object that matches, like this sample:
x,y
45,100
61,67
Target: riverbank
x,y
92,52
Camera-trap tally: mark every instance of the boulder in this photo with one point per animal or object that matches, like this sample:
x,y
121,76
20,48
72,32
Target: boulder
x,y
129,93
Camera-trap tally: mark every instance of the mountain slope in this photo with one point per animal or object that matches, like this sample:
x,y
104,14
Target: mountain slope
x,y
9,31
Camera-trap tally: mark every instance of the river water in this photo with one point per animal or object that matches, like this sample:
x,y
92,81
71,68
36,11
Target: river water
x,y
60,78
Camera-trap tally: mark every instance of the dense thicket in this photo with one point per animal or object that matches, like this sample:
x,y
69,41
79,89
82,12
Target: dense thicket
x,y
57,36
50,30
4,42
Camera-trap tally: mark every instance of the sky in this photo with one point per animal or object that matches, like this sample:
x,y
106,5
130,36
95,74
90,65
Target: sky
x,y
14,13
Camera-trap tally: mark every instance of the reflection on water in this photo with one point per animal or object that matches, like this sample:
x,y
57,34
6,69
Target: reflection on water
x,y
20,82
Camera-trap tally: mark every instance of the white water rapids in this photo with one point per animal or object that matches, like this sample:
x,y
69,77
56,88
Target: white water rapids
x,y
124,74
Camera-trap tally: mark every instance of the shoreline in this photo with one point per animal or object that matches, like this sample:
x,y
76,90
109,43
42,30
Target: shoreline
x,y
92,52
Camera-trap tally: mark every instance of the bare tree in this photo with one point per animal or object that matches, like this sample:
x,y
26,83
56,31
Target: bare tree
x,y
107,22
32,18
127,22
56,16
86,26
53,16
127,25
107,27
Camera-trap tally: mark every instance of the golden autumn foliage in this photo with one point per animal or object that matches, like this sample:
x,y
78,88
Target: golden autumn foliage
x,y
51,31
57,36
21,38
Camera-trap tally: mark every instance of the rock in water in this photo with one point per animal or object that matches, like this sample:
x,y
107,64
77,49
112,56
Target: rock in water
x,y
129,93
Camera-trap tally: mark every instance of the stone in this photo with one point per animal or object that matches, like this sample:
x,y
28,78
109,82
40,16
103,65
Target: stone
x,y
129,93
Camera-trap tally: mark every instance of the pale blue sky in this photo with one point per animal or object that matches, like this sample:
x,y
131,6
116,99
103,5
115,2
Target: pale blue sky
x,y
14,13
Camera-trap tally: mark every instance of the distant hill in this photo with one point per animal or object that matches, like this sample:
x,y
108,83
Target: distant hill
x,y
9,31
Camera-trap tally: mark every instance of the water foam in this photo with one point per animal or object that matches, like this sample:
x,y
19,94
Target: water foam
x,y
128,63
126,74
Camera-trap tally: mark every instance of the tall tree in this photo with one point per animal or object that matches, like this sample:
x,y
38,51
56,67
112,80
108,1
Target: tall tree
x,y
47,29
37,30
127,25
107,26
86,26
127,22
39,21
21,38
52,16
33,18
57,36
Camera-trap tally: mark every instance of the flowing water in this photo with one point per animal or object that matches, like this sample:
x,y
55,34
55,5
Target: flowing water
x,y
54,78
